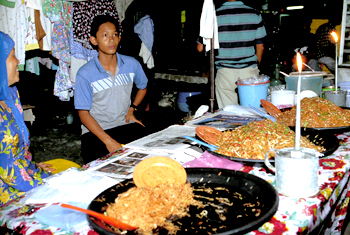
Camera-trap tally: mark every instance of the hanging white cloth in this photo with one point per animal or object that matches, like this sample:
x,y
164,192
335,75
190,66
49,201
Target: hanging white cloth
x,y
14,22
146,56
145,30
75,65
45,22
121,6
209,25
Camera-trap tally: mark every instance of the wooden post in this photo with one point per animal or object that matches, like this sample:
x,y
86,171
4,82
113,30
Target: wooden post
x,y
212,68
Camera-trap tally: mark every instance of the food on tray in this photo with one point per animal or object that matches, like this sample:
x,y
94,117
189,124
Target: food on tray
x,y
157,170
208,134
149,208
254,139
317,112
270,108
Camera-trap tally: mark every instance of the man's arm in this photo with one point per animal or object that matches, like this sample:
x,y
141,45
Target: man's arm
x,y
91,124
200,47
140,95
259,51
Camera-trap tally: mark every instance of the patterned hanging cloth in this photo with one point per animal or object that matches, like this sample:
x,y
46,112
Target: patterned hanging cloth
x,y
84,12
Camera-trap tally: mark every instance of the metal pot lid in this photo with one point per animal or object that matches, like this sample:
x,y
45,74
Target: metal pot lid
x,y
308,74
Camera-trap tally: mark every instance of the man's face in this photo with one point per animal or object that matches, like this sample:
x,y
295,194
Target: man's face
x,y
107,39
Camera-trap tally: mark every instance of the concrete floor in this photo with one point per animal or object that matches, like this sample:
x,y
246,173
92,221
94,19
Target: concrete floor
x,y
58,141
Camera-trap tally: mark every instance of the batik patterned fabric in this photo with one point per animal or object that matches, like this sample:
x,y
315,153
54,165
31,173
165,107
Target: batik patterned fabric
x,y
83,14
60,13
18,173
78,51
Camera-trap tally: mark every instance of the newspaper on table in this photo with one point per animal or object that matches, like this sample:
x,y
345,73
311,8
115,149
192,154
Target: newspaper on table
x,y
89,183
169,140
167,143
122,167
229,118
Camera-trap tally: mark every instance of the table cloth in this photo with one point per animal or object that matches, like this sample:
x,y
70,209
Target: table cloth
x,y
294,216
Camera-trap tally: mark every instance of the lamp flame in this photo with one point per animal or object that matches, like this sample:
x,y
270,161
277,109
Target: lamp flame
x,y
335,36
299,62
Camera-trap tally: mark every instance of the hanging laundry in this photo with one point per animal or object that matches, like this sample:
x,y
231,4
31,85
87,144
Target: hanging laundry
x,y
45,61
121,6
32,65
83,14
78,51
60,13
145,30
43,23
31,41
79,55
209,25
146,56
63,87
75,65
58,10
14,21
61,50
7,3
40,32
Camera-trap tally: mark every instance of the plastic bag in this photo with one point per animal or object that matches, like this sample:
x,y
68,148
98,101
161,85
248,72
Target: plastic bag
x,y
254,80
277,88
209,160
274,88
64,218
70,186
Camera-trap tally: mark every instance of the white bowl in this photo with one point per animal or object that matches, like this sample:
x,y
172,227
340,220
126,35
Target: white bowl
x,y
308,94
283,98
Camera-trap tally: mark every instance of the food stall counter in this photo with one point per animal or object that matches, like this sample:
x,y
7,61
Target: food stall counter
x,y
325,211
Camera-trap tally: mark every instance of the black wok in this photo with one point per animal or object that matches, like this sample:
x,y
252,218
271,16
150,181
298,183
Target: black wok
x,y
329,141
252,188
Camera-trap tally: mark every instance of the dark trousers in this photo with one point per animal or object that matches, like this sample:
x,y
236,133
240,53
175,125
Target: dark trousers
x,y
93,148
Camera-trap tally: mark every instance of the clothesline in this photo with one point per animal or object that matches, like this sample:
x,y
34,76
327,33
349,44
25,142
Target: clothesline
x,y
51,25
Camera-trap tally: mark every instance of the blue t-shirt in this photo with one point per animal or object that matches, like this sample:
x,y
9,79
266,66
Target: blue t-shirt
x,y
240,29
108,97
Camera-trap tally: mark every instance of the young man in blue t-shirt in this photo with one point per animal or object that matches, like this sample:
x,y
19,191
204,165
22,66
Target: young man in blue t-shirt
x,y
103,93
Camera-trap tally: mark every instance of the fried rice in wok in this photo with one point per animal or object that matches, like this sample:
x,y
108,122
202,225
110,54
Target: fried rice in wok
x,y
149,208
317,112
254,139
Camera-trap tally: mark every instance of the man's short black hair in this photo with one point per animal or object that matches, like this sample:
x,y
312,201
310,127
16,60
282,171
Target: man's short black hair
x,y
101,19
